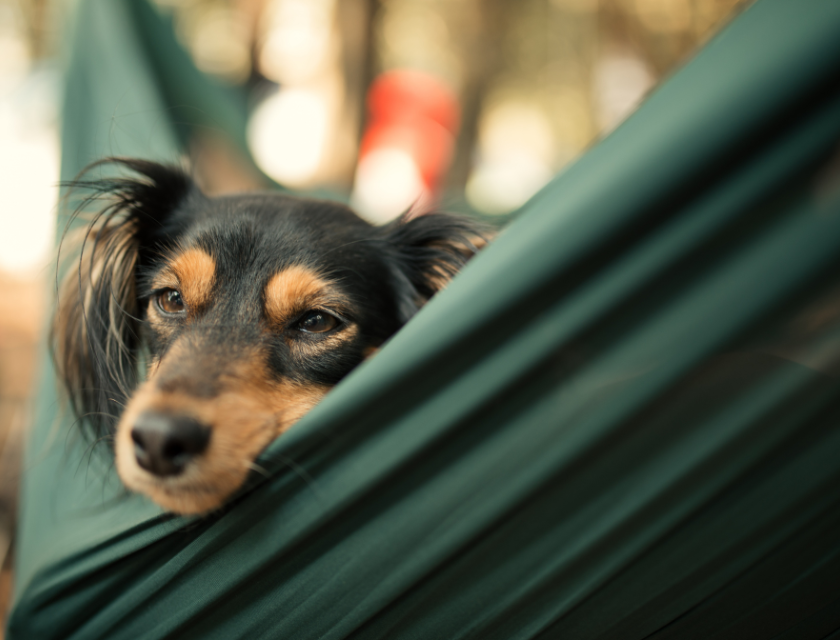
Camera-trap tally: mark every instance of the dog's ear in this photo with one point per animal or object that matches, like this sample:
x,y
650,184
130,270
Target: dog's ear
x,y
96,329
427,251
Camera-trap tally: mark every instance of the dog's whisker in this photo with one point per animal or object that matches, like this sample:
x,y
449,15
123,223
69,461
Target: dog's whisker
x,y
301,473
253,466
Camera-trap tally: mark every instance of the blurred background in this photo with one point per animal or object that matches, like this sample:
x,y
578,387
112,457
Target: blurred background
x,y
463,105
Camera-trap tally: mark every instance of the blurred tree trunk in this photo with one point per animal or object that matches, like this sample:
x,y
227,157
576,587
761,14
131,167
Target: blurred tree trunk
x,y
482,50
35,22
356,20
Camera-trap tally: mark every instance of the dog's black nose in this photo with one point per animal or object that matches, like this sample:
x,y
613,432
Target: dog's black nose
x,y
164,444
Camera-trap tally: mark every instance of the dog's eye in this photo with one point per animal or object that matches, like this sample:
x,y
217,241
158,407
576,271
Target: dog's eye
x,y
317,322
171,302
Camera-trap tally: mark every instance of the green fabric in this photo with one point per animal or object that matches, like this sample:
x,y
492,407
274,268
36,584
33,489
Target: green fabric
x,y
620,421
131,90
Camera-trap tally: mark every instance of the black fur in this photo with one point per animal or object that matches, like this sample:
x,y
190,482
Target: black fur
x,y
101,336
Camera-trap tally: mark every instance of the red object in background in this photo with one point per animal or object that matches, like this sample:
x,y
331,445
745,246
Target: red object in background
x,y
417,113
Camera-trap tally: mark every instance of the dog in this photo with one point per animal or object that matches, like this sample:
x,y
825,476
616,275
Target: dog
x,y
242,311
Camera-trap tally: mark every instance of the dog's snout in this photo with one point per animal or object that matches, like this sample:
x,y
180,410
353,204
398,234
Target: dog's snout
x,y
164,444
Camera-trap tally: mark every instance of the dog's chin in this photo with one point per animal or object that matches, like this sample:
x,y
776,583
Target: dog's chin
x,y
185,494
204,485
192,492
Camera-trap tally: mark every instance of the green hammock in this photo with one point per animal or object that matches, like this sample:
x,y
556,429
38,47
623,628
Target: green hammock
x,y
620,421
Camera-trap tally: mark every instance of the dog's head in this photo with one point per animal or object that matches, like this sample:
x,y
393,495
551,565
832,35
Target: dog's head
x,y
195,329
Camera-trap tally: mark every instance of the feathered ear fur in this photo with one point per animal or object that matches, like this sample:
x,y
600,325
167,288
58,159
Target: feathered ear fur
x,y
96,331
427,251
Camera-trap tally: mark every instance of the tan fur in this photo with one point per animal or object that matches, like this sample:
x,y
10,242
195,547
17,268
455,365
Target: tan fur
x,y
295,290
69,331
191,272
252,410
438,279
369,352
304,350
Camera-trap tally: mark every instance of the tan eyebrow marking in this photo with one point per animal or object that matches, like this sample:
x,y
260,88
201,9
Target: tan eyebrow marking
x,y
193,273
296,289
